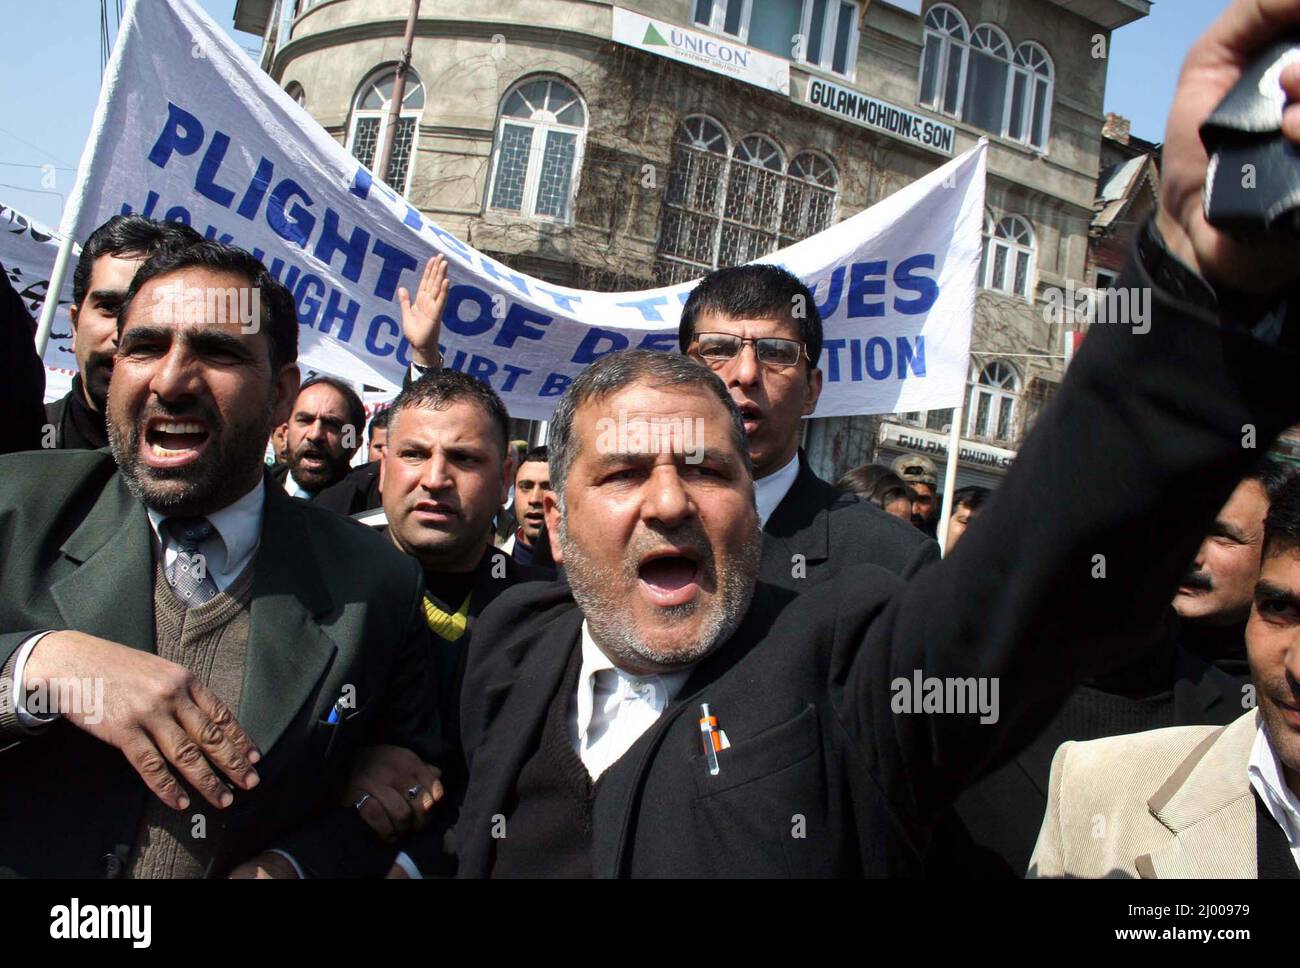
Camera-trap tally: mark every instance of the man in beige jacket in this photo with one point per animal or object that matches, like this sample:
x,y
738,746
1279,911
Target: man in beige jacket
x,y
1197,801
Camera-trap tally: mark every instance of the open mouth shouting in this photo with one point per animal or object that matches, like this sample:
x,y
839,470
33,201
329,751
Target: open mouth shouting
x,y
173,443
312,460
751,413
671,576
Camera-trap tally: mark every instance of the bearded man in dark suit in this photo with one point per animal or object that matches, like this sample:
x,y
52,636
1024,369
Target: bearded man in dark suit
x,y
189,659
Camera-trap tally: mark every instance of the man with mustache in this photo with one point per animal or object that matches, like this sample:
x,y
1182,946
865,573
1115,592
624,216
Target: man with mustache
x,y
1214,597
443,478
922,476
1201,801
377,436
758,328
532,482
667,714
186,674
324,431
103,274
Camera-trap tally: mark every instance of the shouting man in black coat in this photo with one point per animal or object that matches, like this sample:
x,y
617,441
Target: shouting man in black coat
x,y
668,716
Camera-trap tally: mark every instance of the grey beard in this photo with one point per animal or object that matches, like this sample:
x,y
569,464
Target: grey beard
x,y
602,605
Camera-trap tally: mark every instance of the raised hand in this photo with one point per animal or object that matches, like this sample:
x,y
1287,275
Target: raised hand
x,y
422,319
1212,68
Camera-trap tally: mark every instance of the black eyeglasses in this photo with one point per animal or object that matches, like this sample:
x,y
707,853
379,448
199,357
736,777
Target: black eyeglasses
x,y
717,349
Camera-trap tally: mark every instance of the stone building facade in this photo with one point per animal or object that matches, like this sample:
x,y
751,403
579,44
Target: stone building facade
x,y
532,134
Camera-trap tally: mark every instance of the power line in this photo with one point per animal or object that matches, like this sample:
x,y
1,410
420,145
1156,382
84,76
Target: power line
x,y
18,164
38,191
16,137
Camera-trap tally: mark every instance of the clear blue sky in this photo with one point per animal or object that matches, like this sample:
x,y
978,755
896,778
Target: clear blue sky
x,y
49,81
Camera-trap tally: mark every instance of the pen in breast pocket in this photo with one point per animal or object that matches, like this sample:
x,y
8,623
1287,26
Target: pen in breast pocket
x,y
712,738
334,713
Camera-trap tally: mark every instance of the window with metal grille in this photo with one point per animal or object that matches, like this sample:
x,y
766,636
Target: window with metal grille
x,y
810,190
752,214
725,206
370,112
541,132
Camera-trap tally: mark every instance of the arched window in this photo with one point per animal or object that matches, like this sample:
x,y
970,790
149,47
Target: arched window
x,y
752,215
540,137
370,120
943,62
295,91
1030,113
726,205
688,227
974,76
810,189
986,79
1009,258
993,395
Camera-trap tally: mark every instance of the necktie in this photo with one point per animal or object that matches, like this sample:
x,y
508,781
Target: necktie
x,y
188,574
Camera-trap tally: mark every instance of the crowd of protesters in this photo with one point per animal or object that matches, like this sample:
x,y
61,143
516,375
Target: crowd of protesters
x,y
466,656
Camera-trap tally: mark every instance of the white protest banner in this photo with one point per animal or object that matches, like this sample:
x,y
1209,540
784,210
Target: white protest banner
x,y
27,254
189,128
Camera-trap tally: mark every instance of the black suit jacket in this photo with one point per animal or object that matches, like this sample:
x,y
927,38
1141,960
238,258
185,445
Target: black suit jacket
x,y
22,375
357,492
333,605
827,773
497,572
817,530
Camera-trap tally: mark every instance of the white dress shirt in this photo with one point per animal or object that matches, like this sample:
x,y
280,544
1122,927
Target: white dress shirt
x,y
614,708
1269,782
294,489
771,490
238,534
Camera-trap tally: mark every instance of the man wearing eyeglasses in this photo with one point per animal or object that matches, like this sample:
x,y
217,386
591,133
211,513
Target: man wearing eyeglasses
x,y
757,327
